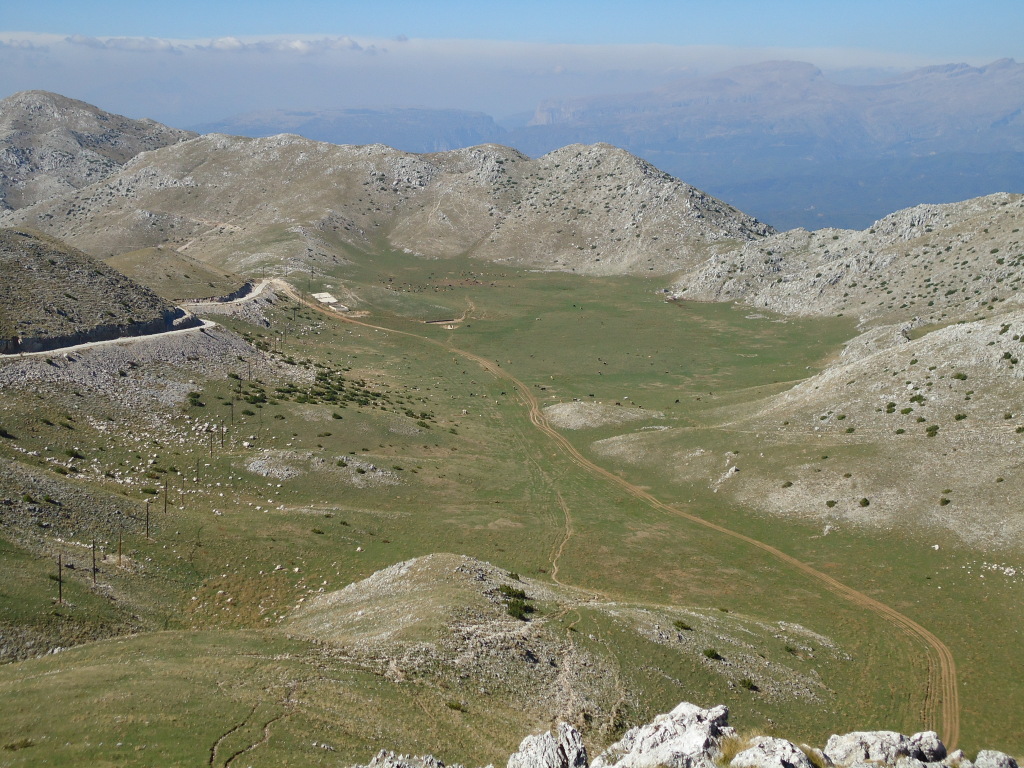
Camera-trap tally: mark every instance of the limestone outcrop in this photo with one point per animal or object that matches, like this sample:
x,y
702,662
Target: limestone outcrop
x,y
692,737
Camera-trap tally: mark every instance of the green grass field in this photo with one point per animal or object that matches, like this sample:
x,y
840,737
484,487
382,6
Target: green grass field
x,y
405,447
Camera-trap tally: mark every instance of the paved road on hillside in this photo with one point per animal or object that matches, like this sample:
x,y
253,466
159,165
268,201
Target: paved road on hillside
x,y
942,699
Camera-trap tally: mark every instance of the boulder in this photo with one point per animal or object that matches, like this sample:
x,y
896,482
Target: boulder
x,y
767,752
885,747
930,748
990,758
686,737
388,759
957,759
544,750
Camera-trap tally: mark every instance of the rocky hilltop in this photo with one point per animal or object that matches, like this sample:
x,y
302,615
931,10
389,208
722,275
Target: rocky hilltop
x,y
243,202
54,296
51,144
926,264
691,737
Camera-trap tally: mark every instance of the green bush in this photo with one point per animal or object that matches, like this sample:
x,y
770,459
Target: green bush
x,y
519,609
711,653
511,593
682,626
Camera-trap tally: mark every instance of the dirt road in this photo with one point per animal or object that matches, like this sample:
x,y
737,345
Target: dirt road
x,y
942,702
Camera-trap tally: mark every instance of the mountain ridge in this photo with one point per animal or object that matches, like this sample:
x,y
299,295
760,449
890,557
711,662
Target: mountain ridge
x,y
592,209
51,144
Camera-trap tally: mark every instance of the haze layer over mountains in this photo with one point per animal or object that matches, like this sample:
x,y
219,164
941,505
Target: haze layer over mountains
x,y
780,140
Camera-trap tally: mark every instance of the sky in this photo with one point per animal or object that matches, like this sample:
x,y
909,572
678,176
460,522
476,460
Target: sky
x,y
189,62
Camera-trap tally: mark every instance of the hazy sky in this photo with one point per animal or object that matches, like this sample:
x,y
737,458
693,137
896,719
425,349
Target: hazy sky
x,y
187,62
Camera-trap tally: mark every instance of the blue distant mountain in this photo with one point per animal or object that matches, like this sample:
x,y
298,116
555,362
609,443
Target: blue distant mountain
x,y
779,140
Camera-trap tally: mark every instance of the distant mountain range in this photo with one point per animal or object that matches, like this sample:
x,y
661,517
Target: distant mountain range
x,y
778,140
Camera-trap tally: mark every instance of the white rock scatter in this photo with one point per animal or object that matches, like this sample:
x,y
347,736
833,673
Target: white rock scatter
x,y
692,737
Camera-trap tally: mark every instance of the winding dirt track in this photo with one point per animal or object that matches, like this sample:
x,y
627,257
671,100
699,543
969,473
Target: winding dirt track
x,y
941,702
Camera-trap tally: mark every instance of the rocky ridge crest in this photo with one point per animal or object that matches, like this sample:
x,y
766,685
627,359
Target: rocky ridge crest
x,y
247,202
50,144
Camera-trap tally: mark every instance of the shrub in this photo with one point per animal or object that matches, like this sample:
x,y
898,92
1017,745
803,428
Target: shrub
x,y
747,684
519,609
511,593
711,653
830,503
682,626
864,502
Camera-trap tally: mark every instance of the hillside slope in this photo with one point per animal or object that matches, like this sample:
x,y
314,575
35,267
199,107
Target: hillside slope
x,y
53,296
245,202
928,264
51,144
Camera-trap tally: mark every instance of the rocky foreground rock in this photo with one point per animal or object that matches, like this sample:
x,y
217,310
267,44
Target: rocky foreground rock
x,y
691,737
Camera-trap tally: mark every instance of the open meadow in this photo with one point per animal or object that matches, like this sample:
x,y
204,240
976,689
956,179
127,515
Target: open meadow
x,y
575,443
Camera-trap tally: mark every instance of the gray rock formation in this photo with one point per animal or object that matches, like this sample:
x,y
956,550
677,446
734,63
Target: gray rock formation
x,y
691,737
687,736
767,752
883,747
990,758
545,750
388,759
